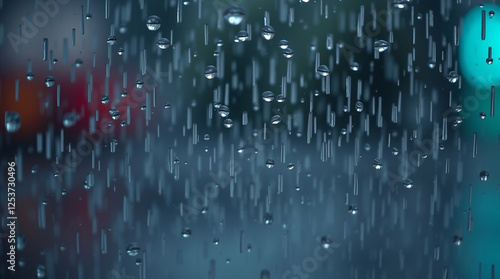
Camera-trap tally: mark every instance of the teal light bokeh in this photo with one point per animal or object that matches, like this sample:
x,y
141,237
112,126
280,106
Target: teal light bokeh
x,y
473,51
482,245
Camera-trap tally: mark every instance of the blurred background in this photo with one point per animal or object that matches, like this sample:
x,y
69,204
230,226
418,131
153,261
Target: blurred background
x,y
251,139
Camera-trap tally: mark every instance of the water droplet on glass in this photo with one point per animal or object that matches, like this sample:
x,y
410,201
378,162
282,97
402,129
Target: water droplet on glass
x,y
153,23
489,60
377,164
228,123
55,61
242,36
40,271
269,163
121,51
268,32
143,107
343,131
123,94
325,242
482,115
290,166
34,169
354,66
163,43
186,232
381,45
400,4
268,96
283,44
452,77
483,175
359,106
280,98
50,81
139,84
115,114
323,70
210,72
30,76
431,64
12,122
352,209
395,151
78,63
408,183
276,119
111,40
234,15
123,123
69,119
206,137
105,99
288,53
457,240
491,14
223,111
216,241
133,249
268,219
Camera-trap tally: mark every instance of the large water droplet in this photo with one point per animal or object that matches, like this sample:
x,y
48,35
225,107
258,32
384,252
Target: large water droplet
x,y
323,70
153,23
50,81
12,122
210,72
268,32
111,40
163,43
234,15
133,249
381,45
223,111
268,96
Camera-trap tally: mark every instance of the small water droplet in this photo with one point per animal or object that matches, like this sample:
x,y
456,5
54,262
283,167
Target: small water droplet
x,y
484,175
352,209
268,218
30,76
283,44
482,115
40,271
223,111
121,51
268,96
377,164
186,232
50,81
268,32
234,15
228,123
133,249
354,66
276,119
323,70
105,99
270,163
163,43
78,63
381,45
124,94
359,106
288,53
280,98
111,40
452,77
242,36
69,119
408,183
